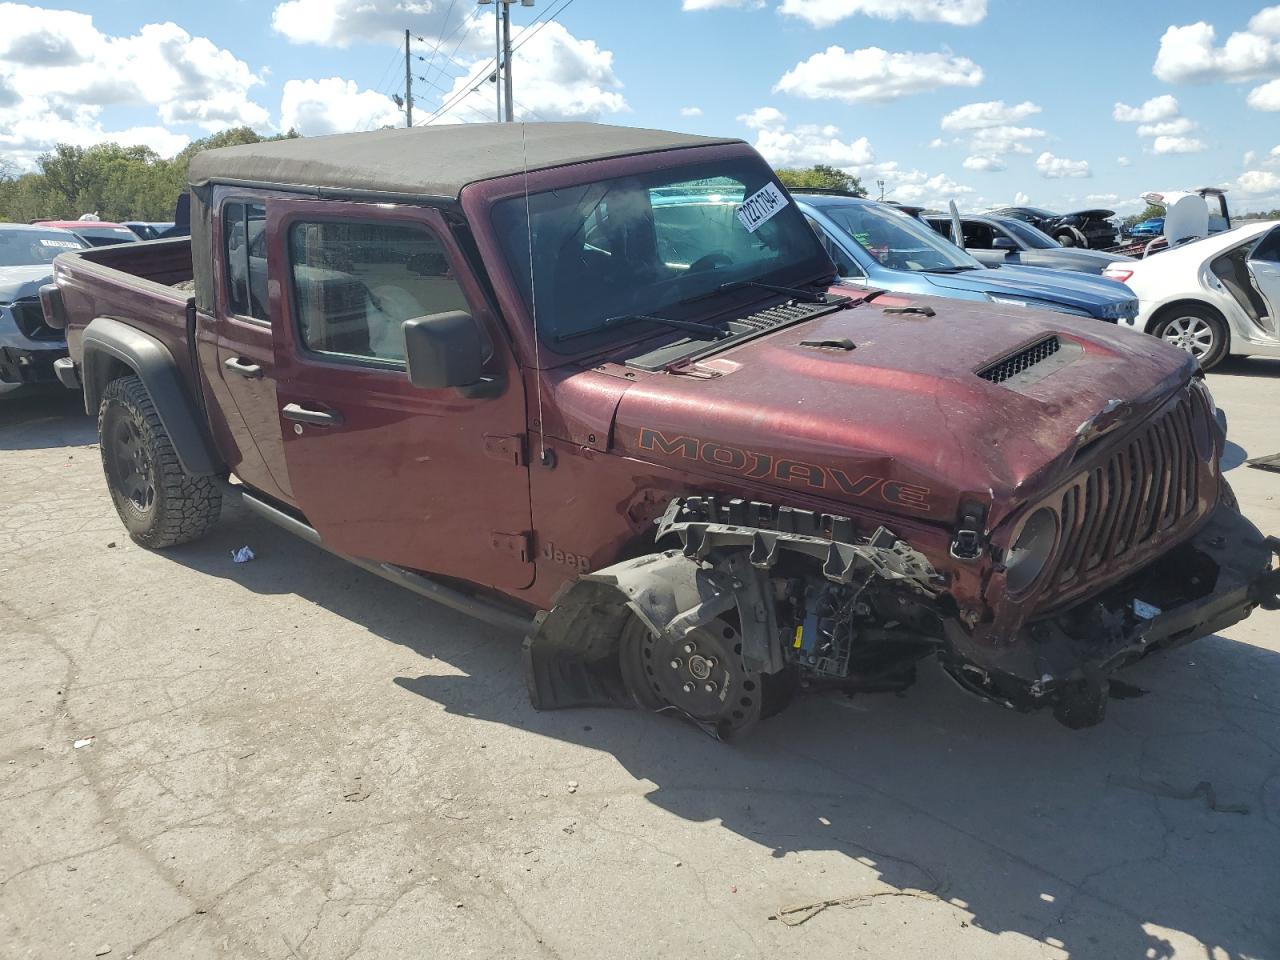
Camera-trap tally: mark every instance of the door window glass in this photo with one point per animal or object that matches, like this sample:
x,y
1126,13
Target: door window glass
x,y
244,238
1269,248
355,284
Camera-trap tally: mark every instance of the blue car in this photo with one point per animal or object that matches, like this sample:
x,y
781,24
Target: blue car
x,y
1148,228
877,245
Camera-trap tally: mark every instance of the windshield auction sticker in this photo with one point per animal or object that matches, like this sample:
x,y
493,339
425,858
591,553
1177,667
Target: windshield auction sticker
x,y
760,206
61,244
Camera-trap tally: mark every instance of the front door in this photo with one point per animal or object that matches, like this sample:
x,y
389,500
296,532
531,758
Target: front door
x,y
434,480
1264,269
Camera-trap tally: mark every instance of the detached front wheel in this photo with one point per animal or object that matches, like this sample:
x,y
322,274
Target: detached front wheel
x,y
159,503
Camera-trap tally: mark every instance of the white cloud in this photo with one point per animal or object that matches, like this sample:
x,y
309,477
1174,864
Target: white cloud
x,y
1157,108
58,72
1102,197
762,117
338,23
1188,54
1266,21
991,113
1275,153
1258,181
1020,199
559,77
915,186
334,105
824,13
1178,145
713,4
1166,128
690,111
985,164
936,143
1124,162
805,145
1056,168
1004,139
1265,97
873,75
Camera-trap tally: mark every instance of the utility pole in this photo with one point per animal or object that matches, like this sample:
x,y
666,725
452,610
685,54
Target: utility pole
x,y
408,83
502,77
506,59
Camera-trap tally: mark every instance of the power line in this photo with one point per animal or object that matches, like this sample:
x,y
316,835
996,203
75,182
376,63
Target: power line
x,y
440,39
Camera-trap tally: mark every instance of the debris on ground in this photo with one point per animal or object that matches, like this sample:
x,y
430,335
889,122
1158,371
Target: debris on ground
x,y
573,786
1161,789
86,742
102,951
800,913
243,555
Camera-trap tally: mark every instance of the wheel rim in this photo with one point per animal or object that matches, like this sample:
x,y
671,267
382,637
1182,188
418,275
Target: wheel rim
x,y
1192,334
132,470
701,677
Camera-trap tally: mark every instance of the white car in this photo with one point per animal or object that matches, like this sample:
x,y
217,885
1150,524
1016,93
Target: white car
x,y
1211,297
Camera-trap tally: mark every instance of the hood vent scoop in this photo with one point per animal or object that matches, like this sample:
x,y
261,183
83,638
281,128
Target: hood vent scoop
x,y
1016,365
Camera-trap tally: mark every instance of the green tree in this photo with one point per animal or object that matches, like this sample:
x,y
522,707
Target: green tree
x,y
822,177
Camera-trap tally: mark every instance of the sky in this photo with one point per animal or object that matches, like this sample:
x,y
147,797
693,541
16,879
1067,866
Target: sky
x,y
987,102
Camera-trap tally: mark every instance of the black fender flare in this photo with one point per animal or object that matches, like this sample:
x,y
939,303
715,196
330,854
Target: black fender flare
x,y
107,343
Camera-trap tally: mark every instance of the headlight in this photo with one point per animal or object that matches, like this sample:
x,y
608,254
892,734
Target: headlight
x,y
1121,310
1031,550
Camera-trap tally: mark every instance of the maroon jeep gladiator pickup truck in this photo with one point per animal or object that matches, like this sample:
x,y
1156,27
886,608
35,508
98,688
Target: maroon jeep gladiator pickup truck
x,y
597,383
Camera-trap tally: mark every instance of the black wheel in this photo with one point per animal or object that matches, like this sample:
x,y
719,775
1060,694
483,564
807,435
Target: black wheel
x,y
159,503
701,677
1196,330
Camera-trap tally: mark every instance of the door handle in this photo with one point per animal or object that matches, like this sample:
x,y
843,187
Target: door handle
x,y
251,370
318,418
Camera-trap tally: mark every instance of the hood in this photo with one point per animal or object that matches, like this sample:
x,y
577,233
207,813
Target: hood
x,y
1079,256
1036,275
18,283
1070,289
1091,214
902,424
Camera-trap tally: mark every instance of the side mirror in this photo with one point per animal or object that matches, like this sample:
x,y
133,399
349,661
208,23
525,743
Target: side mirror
x,y
444,350
1003,243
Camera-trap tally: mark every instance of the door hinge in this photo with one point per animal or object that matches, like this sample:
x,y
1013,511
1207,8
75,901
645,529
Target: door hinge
x,y
507,449
517,544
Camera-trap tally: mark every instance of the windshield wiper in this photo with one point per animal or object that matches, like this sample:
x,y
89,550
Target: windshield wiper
x,y
951,269
609,323
808,296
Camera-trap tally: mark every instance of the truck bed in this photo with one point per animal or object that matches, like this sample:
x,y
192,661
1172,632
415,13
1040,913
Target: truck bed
x,y
133,282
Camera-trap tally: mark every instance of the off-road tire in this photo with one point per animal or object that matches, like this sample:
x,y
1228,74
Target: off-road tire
x,y
1188,316
179,507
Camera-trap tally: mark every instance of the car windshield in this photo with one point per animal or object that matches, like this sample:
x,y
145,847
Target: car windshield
x,y
1033,238
19,248
898,241
649,243
100,236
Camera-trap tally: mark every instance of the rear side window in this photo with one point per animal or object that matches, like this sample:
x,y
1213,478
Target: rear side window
x,y
244,239
355,284
1269,248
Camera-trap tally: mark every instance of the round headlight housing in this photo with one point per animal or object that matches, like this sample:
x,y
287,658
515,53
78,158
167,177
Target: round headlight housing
x,y
1030,550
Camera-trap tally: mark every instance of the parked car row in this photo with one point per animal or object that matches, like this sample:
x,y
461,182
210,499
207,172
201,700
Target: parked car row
x,y
28,346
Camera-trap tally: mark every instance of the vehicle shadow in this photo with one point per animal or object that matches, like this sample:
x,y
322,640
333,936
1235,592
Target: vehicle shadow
x,y
1101,843
53,417
1237,366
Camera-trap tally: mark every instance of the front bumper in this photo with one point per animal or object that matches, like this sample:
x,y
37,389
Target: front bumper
x,y
1203,585
22,367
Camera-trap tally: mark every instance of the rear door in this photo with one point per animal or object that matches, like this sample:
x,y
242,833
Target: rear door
x,y
434,480
244,382
1264,270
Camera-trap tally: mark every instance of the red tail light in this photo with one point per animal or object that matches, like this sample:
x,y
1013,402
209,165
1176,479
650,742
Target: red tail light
x,y
1117,273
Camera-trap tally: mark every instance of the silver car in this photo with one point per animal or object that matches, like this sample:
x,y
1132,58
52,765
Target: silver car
x,y
28,348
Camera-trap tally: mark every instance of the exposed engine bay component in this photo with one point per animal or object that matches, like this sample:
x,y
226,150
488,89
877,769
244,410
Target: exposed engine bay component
x,y
721,630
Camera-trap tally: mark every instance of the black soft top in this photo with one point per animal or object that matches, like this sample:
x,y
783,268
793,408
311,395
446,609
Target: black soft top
x,y
427,161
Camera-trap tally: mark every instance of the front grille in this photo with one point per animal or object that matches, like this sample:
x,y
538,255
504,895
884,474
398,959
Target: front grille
x,y
1020,362
1144,489
29,316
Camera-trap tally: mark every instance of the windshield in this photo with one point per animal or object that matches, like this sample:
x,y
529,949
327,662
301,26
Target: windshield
x,y
644,244
19,248
100,235
898,241
1033,238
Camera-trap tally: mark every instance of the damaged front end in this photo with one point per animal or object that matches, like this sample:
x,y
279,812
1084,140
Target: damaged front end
x,y
755,601
752,601
1066,659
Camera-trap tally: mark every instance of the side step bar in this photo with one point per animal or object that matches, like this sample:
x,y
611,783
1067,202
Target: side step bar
x,y
423,586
